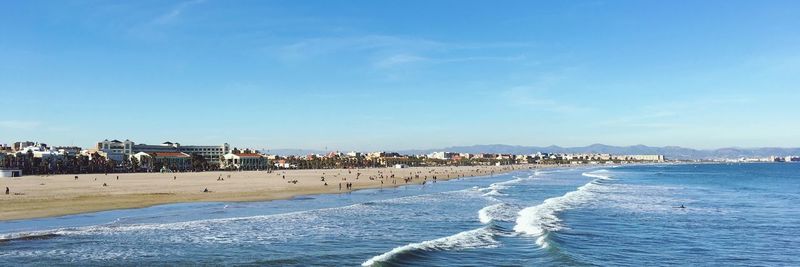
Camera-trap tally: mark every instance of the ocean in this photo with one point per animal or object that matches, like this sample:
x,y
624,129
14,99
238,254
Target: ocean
x,y
732,215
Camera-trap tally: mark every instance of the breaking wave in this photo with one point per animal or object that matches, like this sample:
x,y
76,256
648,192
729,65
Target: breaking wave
x,y
496,212
477,238
599,174
542,219
495,189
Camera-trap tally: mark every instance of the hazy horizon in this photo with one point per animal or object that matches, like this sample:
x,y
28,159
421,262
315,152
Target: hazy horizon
x,y
365,75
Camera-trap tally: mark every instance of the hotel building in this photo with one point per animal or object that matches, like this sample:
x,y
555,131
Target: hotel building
x,y
118,149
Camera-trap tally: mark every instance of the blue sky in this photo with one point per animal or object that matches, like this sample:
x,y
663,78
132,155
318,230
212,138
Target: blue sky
x,y
402,74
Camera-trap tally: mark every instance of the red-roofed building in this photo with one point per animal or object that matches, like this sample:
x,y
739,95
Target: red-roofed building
x,y
245,161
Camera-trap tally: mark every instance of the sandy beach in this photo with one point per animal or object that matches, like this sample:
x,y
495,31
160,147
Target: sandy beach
x,y
55,195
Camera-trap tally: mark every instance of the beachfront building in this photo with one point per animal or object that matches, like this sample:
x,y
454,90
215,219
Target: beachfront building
x,y
17,146
163,161
8,172
245,161
402,160
383,154
211,153
115,150
651,158
40,151
70,151
442,155
5,148
118,150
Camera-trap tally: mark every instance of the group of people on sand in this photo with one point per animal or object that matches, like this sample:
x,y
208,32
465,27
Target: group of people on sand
x,y
348,186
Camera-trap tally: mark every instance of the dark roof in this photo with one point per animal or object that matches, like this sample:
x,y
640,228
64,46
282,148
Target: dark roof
x,y
248,155
170,154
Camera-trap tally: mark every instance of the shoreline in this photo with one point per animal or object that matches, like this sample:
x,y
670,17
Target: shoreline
x,y
34,197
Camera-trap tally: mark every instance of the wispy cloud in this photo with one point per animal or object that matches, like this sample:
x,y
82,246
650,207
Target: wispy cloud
x,y
405,59
399,59
385,51
672,114
532,97
175,12
366,43
19,125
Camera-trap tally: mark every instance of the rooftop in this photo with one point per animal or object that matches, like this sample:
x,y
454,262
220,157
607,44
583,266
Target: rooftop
x,y
245,155
170,154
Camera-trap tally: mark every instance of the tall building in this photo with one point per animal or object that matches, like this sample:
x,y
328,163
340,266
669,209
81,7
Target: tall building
x,y
212,153
115,149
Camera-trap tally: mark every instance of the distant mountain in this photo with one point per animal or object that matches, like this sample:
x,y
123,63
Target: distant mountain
x,y
670,152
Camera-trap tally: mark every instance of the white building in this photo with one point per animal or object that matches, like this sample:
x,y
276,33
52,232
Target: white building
x,y
654,158
40,151
245,161
442,155
10,172
211,153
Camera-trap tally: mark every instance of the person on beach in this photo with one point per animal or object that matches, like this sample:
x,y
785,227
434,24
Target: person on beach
x,y
340,186
76,177
7,190
205,190
117,177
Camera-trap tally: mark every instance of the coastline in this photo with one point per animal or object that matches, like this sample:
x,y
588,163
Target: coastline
x,y
58,195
